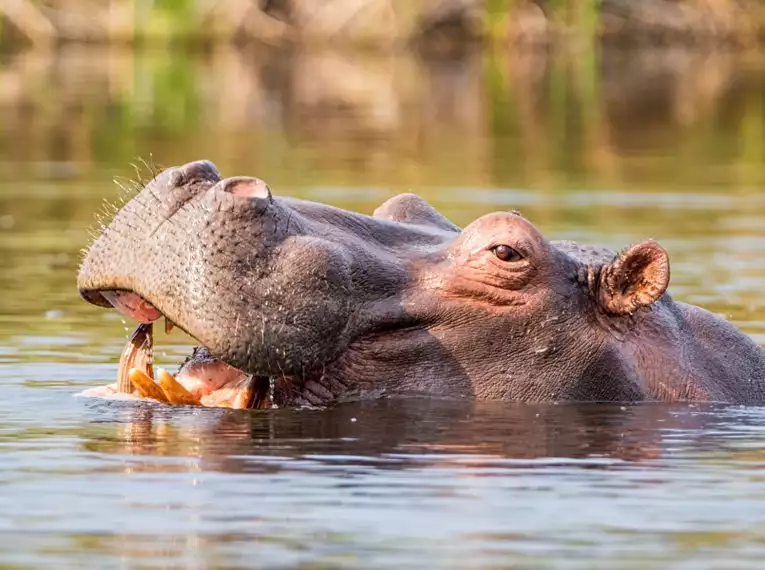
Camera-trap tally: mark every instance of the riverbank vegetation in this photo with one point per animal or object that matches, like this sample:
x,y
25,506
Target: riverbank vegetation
x,y
384,22
526,119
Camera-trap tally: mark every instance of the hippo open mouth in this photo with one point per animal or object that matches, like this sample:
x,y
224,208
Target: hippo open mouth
x,y
201,379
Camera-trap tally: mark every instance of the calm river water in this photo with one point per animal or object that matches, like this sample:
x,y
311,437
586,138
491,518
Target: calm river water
x,y
610,149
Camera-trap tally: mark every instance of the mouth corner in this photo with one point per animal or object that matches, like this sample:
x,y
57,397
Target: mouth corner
x,y
95,297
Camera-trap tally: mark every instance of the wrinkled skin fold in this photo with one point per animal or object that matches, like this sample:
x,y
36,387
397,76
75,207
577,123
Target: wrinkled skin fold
x,y
325,304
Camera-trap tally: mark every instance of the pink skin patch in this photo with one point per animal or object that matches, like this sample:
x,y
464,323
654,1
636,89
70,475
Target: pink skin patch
x,y
204,379
213,383
132,305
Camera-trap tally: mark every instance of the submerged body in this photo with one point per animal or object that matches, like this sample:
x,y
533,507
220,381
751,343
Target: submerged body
x,y
327,304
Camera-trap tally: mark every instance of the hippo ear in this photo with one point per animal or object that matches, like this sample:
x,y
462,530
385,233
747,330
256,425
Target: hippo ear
x,y
635,279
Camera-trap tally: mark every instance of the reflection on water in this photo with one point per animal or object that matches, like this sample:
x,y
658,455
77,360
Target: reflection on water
x,y
515,119
609,148
389,483
407,434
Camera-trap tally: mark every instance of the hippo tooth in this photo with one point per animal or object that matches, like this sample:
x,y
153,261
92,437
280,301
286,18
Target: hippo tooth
x,y
175,392
146,386
169,326
138,353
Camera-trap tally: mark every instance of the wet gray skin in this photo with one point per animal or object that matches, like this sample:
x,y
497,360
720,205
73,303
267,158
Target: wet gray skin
x,y
331,304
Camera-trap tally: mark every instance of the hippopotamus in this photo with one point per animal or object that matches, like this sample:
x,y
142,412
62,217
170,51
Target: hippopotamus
x,y
325,304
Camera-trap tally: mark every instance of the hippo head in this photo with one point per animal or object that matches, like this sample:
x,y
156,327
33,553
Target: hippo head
x,y
331,304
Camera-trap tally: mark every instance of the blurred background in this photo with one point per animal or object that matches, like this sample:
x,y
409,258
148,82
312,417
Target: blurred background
x,y
611,121
608,121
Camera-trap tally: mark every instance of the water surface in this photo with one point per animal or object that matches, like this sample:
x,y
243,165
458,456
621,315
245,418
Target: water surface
x,y
608,149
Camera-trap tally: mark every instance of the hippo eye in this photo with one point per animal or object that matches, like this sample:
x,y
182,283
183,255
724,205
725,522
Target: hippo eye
x,y
506,253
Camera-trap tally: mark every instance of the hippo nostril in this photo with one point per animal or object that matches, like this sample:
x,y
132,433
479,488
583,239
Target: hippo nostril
x,y
197,171
176,178
246,187
176,186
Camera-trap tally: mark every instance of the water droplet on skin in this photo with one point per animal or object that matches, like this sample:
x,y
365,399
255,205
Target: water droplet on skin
x,y
271,385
